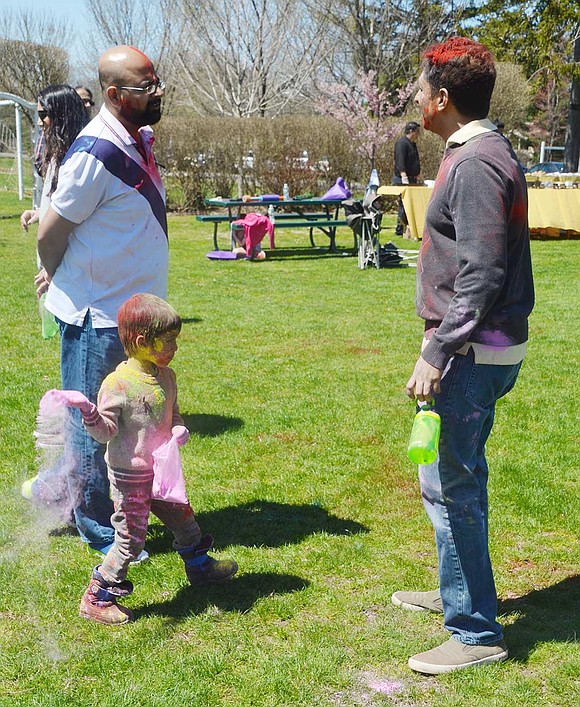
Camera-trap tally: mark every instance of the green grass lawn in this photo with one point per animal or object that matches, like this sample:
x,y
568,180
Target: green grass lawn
x,y
292,375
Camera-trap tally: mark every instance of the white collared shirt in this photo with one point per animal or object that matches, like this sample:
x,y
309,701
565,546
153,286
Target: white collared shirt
x,y
119,246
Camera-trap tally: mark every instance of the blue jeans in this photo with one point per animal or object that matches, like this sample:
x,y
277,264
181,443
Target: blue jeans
x,y
454,491
87,356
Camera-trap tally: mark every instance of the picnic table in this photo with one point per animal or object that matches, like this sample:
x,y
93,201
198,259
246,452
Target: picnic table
x,y
312,213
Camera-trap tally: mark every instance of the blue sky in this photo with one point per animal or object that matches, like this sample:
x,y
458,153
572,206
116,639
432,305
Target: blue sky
x,y
59,8
72,10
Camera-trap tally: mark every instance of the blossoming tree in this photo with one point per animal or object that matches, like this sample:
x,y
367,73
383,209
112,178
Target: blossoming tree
x,y
363,109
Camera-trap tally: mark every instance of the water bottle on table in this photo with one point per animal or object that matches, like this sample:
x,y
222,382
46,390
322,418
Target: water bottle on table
x,y
424,440
286,192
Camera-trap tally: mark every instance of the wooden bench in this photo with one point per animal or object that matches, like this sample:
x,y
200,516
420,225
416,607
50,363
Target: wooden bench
x,y
311,221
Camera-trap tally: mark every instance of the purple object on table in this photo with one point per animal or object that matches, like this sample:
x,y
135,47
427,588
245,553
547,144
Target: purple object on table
x,y
270,197
339,190
221,255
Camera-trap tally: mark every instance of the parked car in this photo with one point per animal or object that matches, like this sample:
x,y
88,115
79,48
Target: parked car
x,y
547,167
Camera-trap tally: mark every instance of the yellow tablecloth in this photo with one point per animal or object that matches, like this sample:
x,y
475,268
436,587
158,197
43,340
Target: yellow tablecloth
x,y
415,200
552,212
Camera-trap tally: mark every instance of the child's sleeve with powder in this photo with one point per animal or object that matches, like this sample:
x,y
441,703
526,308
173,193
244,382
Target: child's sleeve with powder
x,y
103,424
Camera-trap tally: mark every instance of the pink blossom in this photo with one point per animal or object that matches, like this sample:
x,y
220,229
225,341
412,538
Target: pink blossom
x,y
362,108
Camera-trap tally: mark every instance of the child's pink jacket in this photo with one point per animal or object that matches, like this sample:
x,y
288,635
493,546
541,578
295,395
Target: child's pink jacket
x,y
255,228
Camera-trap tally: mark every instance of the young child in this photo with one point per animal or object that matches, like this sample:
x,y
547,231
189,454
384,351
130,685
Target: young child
x,y
136,413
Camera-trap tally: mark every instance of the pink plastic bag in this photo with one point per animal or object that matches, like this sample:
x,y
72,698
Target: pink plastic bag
x,y
168,481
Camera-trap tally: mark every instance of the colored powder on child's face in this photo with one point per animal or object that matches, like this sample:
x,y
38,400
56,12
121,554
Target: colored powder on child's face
x,y
165,348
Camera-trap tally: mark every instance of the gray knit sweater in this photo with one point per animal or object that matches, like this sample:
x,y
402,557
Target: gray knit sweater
x,y
135,414
474,276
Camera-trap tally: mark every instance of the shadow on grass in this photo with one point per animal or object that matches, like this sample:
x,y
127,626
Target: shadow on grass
x,y
211,425
261,523
544,615
191,320
239,594
62,531
306,253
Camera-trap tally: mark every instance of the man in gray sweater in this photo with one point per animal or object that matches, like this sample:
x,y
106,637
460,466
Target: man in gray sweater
x,y
475,292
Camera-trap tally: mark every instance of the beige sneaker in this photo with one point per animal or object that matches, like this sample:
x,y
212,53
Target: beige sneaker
x,y
453,655
419,601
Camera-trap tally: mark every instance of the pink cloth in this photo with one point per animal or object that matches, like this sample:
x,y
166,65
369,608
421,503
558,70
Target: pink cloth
x,y
255,228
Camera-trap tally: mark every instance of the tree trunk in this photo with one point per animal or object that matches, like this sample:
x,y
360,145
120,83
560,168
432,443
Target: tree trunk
x,y
572,144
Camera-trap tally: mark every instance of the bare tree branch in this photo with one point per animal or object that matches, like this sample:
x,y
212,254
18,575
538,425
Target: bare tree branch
x,y
253,57
147,24
27,63
35,27
383,36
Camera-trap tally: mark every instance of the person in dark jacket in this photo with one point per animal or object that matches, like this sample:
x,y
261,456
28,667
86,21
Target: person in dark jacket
x,y
475,292
407,167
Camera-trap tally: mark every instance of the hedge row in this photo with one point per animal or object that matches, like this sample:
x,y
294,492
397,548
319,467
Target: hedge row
x,y
205,157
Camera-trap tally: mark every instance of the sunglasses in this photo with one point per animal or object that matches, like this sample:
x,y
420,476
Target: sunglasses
x,y
42,114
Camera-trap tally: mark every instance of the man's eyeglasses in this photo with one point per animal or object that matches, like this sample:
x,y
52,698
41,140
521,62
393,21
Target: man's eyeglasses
x,y
148,90
42,114
88,102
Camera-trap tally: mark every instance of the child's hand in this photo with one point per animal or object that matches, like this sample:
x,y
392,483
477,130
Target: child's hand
x,y
180,434
73,399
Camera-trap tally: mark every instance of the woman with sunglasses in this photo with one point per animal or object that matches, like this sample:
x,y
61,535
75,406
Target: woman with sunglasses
x,y
61,116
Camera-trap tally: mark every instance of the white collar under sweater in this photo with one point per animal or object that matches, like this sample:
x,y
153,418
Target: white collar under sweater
x,y
471,129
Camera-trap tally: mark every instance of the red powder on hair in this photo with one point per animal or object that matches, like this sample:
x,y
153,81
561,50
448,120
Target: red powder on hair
x,y
456,47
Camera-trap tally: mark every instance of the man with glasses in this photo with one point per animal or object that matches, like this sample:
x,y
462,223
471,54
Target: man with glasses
x,y
103,240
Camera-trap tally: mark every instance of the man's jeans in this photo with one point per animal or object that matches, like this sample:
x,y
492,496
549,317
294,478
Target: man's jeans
x,y
87,356
454,491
